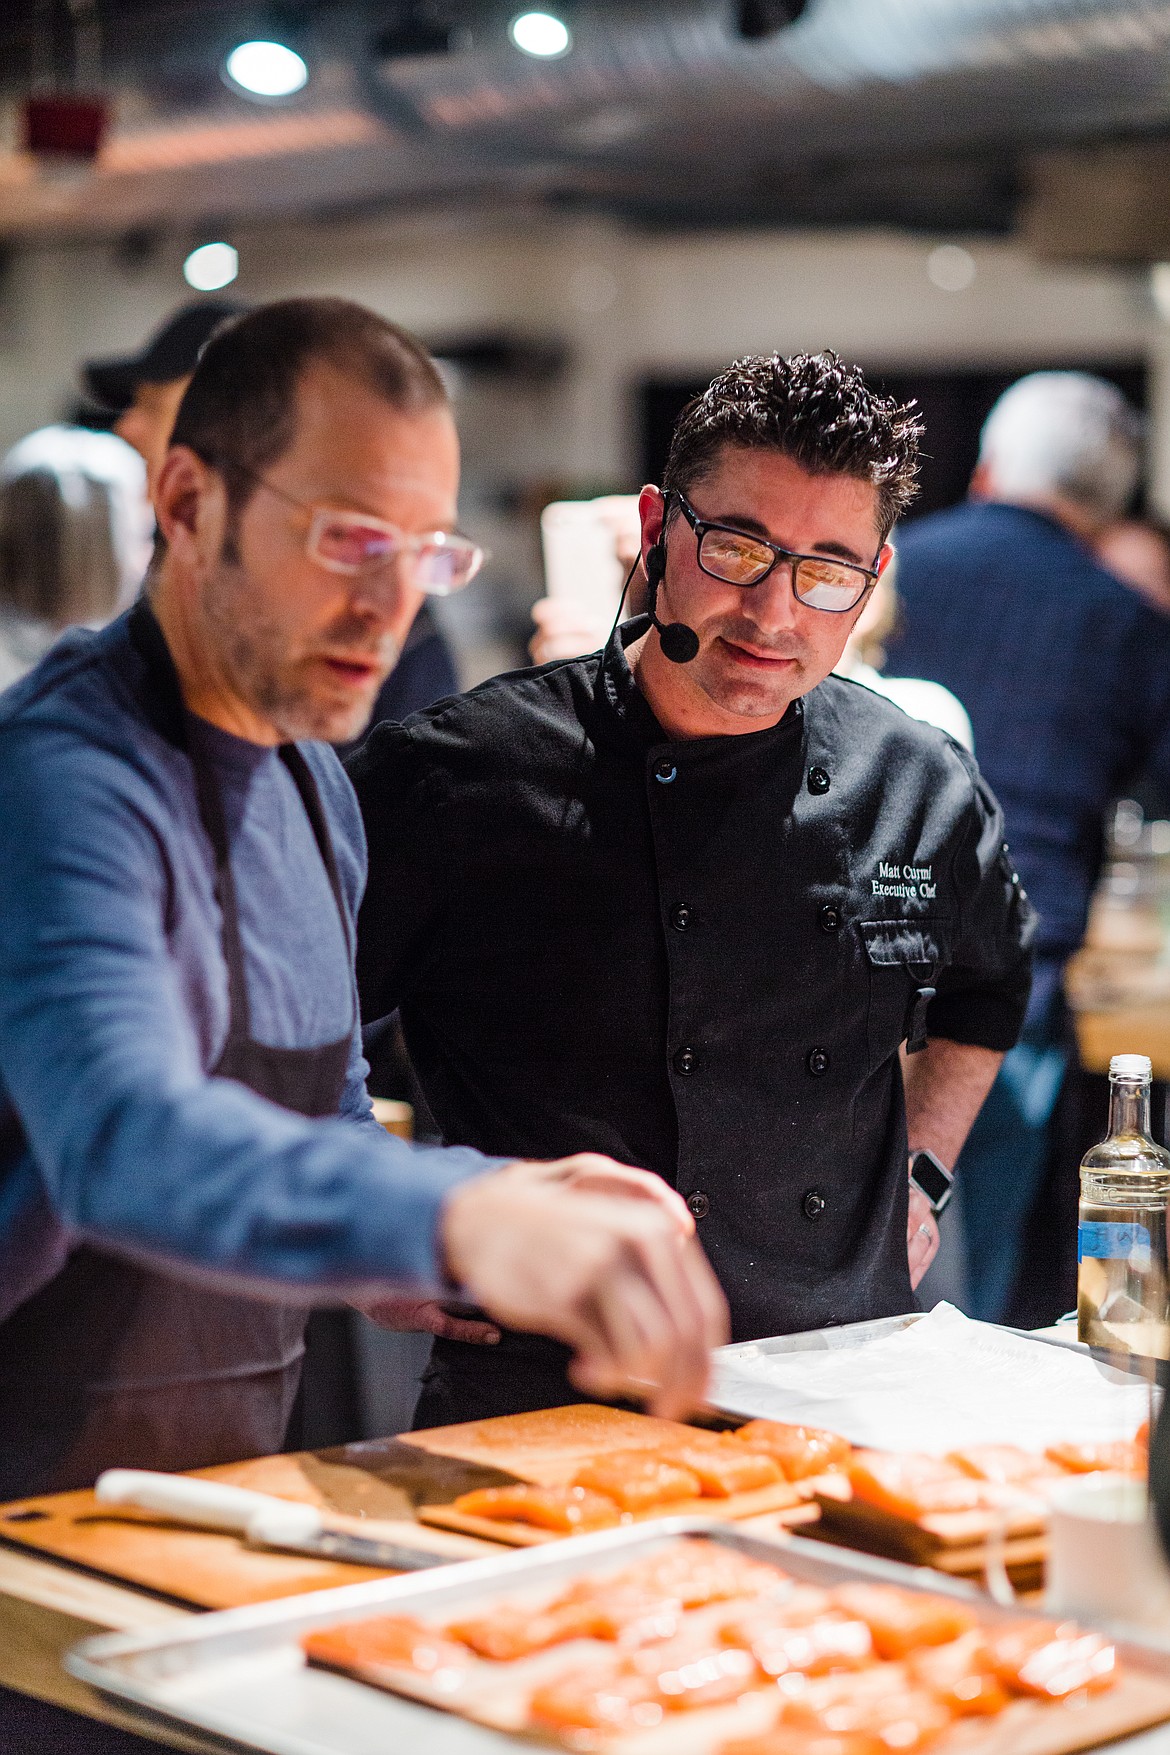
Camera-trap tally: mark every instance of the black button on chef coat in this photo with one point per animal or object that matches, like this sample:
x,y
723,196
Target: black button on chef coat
x,y
530,846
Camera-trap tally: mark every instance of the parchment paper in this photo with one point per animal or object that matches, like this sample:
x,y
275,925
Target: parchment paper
x,y
944,1382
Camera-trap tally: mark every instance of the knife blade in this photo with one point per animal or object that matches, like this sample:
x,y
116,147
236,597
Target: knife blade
x,y
263,1520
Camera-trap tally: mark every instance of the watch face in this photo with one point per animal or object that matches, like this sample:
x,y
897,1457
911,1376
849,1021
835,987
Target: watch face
x,y
932,1179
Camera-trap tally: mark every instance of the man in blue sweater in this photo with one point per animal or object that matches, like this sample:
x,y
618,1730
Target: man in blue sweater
x,y
187,1154
1065,673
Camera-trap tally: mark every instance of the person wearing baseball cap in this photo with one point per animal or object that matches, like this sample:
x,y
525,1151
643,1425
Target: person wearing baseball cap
x,y
146,388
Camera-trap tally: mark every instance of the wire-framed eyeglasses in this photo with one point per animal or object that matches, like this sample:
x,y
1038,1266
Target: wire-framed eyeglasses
x,y
437,562
739,557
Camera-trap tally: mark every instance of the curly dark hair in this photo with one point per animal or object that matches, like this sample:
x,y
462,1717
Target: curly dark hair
x,y
812,408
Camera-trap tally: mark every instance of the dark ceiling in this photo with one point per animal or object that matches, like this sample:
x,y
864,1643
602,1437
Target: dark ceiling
x,y
916,113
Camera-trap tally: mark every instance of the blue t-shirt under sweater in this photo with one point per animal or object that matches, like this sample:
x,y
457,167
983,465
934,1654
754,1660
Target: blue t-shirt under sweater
x,y
114,1006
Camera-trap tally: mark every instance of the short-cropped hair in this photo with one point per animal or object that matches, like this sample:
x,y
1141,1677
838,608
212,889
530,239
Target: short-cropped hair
x,y
812,408
239,410
1064,433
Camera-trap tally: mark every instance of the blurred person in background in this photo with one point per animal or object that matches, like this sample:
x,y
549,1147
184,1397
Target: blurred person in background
x,y
865,655
1065,673
145,389
74,539
1137,550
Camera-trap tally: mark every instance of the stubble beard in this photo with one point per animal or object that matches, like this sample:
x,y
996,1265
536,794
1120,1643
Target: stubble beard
x,y
746,697
289,693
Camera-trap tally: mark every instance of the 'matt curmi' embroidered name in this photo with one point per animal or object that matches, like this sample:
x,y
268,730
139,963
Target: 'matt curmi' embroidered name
x,y
912,882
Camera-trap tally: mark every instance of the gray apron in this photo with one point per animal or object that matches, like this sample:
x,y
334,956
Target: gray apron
x,y
115,1364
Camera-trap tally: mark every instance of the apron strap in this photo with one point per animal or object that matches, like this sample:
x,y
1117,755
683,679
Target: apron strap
x,y
302,774
170,717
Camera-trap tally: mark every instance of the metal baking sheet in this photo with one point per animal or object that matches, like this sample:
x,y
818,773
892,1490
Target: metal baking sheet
x,y
240,1675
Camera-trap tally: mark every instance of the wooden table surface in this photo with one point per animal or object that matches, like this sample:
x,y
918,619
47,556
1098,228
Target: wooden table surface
x,y
45,1608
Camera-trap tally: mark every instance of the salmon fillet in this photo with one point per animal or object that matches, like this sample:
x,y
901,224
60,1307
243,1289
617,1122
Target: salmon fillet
x,y
961,1675
508,1632
817,1648
902,1620
1005,1464
1125,1457
398,1641
914,1486
699,1572
726,1467
1052,1660
568,1510
792,1740
801,1451
638,1480
881,1702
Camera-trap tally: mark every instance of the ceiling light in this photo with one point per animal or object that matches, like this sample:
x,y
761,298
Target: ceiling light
x,y
210,267
950,268
540,33
267,69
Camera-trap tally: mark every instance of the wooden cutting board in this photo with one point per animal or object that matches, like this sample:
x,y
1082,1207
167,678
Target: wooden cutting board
x,y
955,1542
550,1445
376,1487
368,1488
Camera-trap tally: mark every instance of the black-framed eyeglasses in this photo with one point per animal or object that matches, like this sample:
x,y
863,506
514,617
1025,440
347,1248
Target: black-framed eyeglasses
x,y
739,557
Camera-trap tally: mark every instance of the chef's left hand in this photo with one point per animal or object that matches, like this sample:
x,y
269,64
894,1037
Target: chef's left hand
x,y
410,1314
921,1235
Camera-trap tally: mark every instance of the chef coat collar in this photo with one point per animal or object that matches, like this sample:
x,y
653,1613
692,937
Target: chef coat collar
x,y
619,692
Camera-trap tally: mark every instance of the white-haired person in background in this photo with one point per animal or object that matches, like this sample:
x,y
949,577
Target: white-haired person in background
x,y
75,531
1065,673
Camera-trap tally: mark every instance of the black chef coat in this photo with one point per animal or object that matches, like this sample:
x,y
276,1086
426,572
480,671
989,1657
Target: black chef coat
x,y
699,957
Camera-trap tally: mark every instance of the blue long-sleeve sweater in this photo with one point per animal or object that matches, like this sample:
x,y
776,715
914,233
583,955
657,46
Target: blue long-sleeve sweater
x,y
113,1007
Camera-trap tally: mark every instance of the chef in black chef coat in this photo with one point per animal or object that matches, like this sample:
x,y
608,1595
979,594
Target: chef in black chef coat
x,y
684,901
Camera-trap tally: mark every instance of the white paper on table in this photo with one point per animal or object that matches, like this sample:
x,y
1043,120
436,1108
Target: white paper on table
x,y
940,1383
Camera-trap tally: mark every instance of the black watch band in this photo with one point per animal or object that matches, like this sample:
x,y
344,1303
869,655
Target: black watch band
x,y
932,1179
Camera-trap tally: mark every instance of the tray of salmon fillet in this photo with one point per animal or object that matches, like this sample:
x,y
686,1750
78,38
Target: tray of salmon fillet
x,y
762,1467
679,1638
945,1511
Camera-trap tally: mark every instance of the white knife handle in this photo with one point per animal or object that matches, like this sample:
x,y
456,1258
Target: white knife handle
x,y
209,1504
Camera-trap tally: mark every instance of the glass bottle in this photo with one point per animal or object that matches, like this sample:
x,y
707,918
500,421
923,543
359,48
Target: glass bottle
x,y
1121,1238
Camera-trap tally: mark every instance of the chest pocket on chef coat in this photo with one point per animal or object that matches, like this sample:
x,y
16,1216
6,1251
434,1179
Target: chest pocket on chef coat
x,y
903,959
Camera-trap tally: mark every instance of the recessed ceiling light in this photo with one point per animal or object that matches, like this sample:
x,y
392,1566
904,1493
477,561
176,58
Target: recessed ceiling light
x,y
210,267
540,33
950,268
267,69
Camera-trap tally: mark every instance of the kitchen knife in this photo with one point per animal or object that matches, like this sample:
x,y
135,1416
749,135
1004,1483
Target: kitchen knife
x,y
262,1520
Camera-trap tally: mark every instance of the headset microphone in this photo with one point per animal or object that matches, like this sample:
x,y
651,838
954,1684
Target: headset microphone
x,y
679,642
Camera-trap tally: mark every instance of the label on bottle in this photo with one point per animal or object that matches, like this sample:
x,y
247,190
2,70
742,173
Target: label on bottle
x,y
1108,1242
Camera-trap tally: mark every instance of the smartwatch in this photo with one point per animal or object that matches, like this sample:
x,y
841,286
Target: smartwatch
x,y
932,1179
